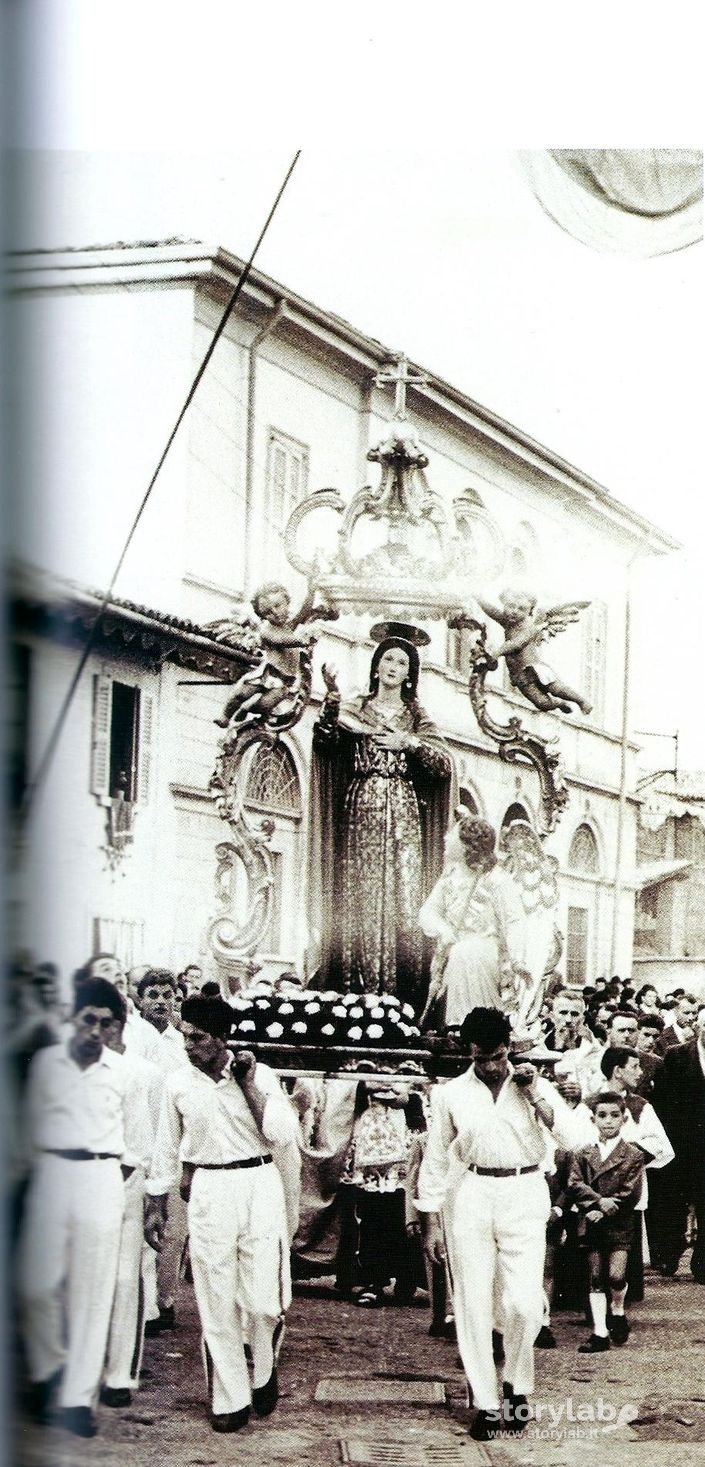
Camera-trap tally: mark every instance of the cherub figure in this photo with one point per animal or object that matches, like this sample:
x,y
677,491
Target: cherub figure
x,y
525,628
282,637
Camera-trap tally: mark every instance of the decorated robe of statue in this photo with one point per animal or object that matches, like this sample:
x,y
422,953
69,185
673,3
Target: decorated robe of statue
x,y
377,820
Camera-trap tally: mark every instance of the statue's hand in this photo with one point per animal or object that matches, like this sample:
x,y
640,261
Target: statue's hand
x,y
395,742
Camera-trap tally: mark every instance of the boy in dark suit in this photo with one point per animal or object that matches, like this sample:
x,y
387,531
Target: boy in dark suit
x,y
605,1182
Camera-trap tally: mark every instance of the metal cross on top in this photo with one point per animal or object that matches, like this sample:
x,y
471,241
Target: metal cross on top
x,y
402,377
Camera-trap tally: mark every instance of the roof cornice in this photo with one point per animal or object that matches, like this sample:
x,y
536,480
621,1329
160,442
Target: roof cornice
x,y
175,261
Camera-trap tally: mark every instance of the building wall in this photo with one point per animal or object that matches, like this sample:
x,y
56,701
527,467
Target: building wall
x,y
671,915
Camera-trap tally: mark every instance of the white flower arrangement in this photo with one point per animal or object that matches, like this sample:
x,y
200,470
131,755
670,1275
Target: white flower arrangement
x,y
355,1033
375,1031
275,1030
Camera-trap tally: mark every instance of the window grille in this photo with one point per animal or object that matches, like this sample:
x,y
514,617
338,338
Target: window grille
x,y
273,783
584,856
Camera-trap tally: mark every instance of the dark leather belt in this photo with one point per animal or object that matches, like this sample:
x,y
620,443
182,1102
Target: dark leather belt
x,y
228,1166
79,1155
501,1171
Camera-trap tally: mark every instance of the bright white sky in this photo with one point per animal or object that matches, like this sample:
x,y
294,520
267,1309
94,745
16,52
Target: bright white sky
x,y
408,215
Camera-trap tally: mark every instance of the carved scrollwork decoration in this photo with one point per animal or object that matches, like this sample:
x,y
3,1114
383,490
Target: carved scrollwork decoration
x,y
516,744
233,936
320,499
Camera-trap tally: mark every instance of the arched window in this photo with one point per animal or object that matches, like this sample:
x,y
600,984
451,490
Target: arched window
x,y
272,783
468,800
273,788
515,812
583,856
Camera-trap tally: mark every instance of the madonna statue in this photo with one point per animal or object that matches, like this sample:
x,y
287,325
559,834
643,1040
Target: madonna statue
x,y
380,796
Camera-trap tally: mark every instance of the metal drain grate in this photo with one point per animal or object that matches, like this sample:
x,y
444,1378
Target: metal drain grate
x,y
346,1390
404,1454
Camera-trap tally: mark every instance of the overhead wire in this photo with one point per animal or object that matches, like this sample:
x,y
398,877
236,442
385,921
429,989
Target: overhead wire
x,y
44,764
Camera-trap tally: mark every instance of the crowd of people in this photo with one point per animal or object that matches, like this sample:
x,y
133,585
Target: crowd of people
x,y
533,1181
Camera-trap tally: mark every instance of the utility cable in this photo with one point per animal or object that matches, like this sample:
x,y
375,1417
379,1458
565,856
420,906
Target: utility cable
x,y
55,735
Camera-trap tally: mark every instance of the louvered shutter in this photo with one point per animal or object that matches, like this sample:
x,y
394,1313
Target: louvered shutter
x,y
100,736
145,746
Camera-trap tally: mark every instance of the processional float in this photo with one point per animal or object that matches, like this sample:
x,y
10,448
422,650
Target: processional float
x,y
401,553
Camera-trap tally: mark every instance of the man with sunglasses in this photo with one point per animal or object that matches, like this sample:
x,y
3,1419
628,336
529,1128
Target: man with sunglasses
x,y
85,1130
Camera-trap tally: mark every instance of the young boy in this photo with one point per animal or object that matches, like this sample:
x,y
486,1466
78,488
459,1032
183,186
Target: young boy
x,y
525,629
605,1182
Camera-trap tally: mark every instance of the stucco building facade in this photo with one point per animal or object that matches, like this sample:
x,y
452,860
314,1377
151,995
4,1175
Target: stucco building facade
x,y
287,405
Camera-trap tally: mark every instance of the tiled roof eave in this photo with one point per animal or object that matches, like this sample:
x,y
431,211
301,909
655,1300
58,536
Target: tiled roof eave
x,y
150,635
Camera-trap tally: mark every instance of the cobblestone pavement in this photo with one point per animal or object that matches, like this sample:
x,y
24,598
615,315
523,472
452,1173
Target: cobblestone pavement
x,y
652,1393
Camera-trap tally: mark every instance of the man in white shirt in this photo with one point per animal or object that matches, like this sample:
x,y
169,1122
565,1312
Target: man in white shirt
x,y
219,1119
158,998
86,1134
482,1180
157,992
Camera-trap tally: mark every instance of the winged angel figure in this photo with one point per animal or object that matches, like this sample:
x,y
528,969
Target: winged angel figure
x,y
526,627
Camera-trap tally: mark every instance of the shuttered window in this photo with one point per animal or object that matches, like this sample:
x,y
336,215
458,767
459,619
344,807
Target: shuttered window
x,y
122,740
287,478
577,945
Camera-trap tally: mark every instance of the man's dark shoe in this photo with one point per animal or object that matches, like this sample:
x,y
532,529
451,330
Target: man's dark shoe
x,y
516,1411
497,1347
232,1421
39,1398
545,1339
166,1321
79,1420
115,1396
619,1329
595,1345
264,1398
487,1426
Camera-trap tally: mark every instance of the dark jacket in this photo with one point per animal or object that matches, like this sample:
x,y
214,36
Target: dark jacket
x,y
619,1176
667,1040
679,1102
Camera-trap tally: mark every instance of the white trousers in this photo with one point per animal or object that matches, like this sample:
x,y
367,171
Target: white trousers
x,y
240,1264
496,1239
126,1337
67,1268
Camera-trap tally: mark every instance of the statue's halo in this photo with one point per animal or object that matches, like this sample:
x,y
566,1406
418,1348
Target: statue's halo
x,y
383,629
